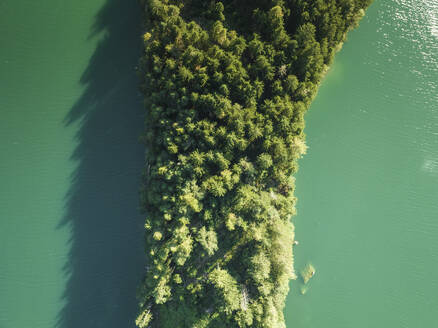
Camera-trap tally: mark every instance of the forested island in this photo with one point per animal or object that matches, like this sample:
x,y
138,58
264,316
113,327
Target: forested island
x,y
226,87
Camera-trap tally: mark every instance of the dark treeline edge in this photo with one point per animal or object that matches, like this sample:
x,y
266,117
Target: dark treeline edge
x,y
226,86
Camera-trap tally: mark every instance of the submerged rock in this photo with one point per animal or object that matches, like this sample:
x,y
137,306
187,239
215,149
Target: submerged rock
x,y
308,272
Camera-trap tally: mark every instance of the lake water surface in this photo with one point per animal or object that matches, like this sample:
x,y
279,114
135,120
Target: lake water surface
x,y
70,115
368,188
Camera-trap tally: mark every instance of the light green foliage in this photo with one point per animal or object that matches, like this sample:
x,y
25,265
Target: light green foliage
x,y
226,87
227,295
143,319
208,240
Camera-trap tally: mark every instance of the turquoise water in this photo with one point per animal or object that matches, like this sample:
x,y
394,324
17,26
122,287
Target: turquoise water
x,y
70,230
368,187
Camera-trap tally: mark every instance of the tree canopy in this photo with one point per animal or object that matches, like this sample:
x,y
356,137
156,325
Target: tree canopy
x,y
226,86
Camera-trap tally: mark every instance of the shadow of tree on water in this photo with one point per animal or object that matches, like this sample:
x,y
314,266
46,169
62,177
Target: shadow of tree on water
x,y
106,259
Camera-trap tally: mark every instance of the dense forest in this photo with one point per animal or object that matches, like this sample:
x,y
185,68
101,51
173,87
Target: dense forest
x,y
226,87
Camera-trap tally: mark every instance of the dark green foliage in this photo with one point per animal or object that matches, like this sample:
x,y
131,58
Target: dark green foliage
x,y
226,86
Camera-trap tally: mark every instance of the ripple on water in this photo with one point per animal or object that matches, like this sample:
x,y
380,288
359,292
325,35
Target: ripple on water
x,y
369,216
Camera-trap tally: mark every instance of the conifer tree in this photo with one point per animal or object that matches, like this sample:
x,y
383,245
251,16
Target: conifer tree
x,y
226,87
